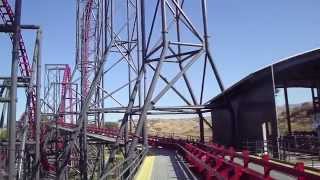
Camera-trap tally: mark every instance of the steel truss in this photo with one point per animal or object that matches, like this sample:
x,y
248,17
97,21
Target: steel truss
x,y
134,58
20,162
129,58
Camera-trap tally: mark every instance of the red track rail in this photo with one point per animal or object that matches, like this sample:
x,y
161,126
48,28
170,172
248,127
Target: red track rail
x,y
65,92
210,161
7,17
108,132
86,47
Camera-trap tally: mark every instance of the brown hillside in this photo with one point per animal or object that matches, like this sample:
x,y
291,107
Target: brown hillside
x,y
301,120
178,127
301,117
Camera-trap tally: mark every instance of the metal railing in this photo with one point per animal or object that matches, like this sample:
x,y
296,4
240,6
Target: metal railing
x,y
289,148
126,169
212,161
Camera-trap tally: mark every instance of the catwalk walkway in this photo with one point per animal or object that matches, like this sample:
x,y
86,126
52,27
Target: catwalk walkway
x,y
164,164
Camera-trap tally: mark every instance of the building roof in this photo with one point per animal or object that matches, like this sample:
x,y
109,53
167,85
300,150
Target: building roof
x,y
301,70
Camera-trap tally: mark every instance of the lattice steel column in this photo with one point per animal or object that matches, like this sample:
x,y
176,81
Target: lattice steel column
x,y
13,93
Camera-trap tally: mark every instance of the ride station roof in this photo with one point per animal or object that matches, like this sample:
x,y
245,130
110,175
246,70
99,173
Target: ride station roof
x,y
301,70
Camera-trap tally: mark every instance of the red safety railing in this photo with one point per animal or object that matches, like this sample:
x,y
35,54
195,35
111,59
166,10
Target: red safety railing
x,y
216,162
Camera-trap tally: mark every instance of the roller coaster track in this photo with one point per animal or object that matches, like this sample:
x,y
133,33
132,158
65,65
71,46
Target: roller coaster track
x,y
7,17
208,161
65,91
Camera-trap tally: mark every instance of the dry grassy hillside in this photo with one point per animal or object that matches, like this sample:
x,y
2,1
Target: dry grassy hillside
x,y
300,115
301,120
180,127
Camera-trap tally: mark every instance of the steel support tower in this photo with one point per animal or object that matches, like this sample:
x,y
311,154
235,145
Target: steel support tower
x,y
130,55
134,59
24,134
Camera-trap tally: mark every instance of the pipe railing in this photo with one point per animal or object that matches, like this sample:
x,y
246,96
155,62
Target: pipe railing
x,y
211,161
127,168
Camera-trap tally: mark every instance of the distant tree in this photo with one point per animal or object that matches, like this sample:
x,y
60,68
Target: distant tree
x,y
3,134
111,124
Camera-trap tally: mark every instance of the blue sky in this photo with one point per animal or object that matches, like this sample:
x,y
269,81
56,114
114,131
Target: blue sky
x,y
249,34
245,35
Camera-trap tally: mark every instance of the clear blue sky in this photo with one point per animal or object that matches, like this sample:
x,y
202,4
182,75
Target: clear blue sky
x,y
245,35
